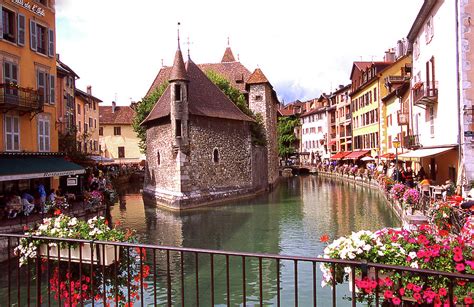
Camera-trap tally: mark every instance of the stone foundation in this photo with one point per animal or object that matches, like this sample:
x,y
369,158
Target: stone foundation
x,y
183,201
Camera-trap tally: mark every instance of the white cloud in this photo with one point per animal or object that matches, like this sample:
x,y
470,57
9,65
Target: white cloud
x,y
303,47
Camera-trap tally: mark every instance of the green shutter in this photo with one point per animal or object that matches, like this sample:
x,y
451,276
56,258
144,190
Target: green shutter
x,y
50,43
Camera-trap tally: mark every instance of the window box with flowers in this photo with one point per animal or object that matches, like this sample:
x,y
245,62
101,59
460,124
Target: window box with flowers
x,y
64,226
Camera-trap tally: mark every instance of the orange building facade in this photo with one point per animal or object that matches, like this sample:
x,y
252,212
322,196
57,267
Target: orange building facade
x,y
28,100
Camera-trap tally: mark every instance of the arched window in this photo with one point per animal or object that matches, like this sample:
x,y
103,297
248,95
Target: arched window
x,y
158,158
215,155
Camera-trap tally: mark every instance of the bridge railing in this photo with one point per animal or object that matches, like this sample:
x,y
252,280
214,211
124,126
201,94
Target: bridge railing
x,y
73,272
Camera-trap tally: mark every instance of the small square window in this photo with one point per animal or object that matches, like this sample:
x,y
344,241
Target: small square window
x,y
117,130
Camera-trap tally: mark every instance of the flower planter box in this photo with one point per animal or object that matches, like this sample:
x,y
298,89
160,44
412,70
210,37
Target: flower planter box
x,y
106,255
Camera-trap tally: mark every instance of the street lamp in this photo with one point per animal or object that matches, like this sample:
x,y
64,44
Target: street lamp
x,y
396,144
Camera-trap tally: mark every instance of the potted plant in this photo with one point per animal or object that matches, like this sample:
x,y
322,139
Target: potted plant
x,y
411,197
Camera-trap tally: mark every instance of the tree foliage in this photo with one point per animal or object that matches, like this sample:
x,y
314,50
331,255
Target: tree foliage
x,y
286,136
257,130
142,110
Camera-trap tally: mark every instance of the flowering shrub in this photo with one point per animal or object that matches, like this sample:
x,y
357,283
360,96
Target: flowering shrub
x,y
386,183
440,216
397,191
420,248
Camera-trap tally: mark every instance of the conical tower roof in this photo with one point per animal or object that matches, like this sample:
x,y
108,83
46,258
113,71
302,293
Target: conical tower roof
x,y
178,71
257,77
228,56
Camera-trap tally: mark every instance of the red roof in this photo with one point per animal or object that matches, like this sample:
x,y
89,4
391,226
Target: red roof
x,y
340,155
122,115
204,98
257,77
356,154
233,71
228,56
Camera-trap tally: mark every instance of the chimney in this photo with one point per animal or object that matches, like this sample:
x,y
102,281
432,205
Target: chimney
x,y
89,90
57,56
389,56
113,106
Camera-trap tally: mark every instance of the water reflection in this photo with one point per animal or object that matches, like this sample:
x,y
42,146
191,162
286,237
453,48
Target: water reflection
x,y
289,220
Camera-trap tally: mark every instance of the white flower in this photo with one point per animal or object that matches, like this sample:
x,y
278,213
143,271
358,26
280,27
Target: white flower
x,y
414,265
412,255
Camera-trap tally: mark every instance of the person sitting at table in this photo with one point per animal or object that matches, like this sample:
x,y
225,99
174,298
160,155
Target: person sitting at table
x,y
421,174
13,205
448,188
28,203
425,186
52,196
408,177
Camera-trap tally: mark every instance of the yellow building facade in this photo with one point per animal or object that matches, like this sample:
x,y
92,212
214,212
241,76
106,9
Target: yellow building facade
x,y
87,121
118,140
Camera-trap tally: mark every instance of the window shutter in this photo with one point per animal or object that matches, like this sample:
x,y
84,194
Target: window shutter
x,y
40,134
51,43
21,29
14,71
33,36
46,135
6,72
1,22
52,85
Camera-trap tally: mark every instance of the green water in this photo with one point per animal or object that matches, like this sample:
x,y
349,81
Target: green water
x,y
289,221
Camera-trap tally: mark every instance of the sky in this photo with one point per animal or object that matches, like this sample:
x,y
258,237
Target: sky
x,y
304,47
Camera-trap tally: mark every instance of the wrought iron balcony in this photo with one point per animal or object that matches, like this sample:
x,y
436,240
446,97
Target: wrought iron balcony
x,y
396,79
425,93
412,142
13,97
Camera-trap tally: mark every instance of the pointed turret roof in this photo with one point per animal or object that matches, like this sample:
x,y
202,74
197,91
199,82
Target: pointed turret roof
x,y
204,99
228,56
257,77
178,71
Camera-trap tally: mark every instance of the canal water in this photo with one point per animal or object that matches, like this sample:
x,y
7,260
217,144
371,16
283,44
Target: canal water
x,y
289,221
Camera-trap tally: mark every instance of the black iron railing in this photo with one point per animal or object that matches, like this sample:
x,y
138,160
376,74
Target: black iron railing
x,y
412,142
95,272
17,98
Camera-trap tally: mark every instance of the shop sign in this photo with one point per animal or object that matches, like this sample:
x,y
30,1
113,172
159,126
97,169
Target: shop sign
x,y
30,7
71,181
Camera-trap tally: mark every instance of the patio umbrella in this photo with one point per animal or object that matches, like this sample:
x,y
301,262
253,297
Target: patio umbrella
x,y
368,158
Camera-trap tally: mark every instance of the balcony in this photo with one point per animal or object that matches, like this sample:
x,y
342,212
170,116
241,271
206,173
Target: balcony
x,y
19,99
396,79
411,142
425,93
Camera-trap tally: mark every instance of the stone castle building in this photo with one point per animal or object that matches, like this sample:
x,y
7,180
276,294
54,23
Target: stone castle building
x,y
199,145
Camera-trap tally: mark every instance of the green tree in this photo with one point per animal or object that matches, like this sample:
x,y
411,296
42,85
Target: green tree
x,y
257,130
142,110
286,136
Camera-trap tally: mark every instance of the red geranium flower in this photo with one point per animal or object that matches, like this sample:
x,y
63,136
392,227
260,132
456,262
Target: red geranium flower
x,y
324,238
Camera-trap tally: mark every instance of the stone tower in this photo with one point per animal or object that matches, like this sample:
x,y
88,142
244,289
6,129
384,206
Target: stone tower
x,y
178,81
263,101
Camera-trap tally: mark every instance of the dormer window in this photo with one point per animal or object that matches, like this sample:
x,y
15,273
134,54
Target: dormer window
x,y
177,92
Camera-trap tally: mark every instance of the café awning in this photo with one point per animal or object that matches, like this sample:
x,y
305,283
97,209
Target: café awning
x,y
421,153
356,154
31,167
340,155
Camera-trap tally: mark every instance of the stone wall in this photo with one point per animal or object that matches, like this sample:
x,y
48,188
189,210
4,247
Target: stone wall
x,y
259,167
466,23
233,143
262,101
162,175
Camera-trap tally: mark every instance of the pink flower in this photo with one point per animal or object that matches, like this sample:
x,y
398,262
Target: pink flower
x,y
458,257
388,294
396,301
416,288
468,300
402,291
457,250
442,291
460,267
417,296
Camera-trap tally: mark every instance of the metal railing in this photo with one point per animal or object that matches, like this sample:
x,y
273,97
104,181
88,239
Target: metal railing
x,y
412,142
18,98
425,93
96,272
